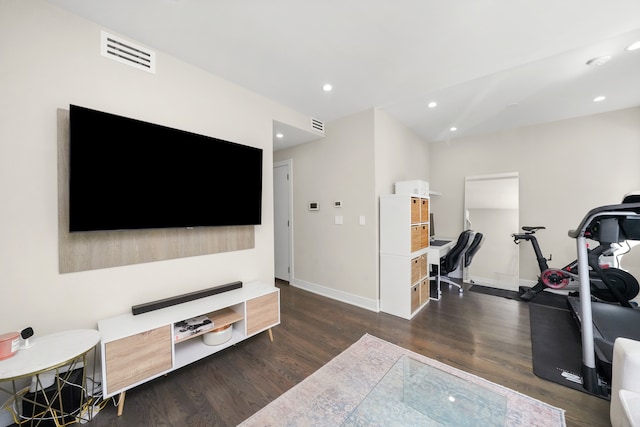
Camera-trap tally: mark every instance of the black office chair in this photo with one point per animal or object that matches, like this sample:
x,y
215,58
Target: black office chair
x,y
460,256
477,241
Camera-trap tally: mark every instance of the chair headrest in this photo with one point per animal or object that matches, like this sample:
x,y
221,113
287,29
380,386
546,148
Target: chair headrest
x,y
453,258
473,248
632,197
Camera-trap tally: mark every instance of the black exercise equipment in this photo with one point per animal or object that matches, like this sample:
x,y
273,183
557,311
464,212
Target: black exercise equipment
x,y
601,323
610,284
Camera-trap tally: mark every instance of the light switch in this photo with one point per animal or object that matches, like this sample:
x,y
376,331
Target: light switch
x,y
361,220
338,219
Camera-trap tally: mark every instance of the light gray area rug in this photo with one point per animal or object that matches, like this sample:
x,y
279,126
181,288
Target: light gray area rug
x,y
335,394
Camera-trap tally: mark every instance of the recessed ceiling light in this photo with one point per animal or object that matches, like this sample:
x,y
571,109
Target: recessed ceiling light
x,y
432,104
453,129
634,46
599,60
599,98
327,87
279,135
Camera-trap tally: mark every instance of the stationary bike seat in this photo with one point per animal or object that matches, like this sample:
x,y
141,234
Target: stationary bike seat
x,y
528,228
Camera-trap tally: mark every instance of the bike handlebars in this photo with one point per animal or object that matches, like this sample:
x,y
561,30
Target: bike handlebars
x,y
528,235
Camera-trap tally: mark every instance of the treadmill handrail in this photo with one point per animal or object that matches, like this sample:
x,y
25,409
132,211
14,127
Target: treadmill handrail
x,y
624,209
589,373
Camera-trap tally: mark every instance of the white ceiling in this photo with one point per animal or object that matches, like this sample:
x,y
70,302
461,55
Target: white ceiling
x,y
490,64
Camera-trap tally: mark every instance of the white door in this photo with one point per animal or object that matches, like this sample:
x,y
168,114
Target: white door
x,y
282,219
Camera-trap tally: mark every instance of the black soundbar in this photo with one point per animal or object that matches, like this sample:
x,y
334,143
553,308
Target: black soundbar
x,y
168,302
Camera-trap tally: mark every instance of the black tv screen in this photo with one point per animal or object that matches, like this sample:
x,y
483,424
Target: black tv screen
x,y
129,174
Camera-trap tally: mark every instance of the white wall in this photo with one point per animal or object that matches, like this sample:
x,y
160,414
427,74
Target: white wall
x,y
360,158
565,168
51,59
336,260
400,154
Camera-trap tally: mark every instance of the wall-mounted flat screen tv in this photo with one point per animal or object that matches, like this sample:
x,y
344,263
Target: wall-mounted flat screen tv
x,y
129,174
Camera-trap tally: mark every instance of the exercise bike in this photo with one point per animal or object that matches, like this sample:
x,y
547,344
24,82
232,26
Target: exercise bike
x,y
610,284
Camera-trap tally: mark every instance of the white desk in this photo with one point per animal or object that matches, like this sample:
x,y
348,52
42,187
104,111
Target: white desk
x,y
60,353
434,254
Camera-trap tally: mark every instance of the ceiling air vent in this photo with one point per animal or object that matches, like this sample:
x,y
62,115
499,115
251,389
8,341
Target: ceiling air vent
x,y
317,125
128,53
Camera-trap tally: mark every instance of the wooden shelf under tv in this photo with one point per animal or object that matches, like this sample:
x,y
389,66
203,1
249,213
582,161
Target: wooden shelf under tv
x,y
138,348
220,318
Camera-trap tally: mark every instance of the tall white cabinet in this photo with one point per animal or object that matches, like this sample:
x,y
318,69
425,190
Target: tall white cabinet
x,y
404,267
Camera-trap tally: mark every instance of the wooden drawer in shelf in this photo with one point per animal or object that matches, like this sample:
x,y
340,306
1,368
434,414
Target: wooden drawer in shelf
x,y
415,238
415,210
424,210
262,313
415,297
138,357
424,266
424,236
425,291
416,267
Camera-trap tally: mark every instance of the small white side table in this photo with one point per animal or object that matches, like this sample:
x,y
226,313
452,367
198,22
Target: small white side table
x,y
59,354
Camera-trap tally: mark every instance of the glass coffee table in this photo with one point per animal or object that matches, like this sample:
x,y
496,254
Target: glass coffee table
x,y
412,393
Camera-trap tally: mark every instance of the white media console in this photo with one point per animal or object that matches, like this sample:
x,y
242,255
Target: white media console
x,y
138,348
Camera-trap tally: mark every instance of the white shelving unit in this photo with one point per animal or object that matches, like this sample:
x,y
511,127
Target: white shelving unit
x,y
404,242
136,349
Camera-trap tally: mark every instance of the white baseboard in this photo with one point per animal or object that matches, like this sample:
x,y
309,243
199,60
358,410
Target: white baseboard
x,y
367,303
482,281
528,283
495,283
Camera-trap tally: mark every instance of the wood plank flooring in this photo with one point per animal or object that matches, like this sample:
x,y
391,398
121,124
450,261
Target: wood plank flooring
x,y
485,335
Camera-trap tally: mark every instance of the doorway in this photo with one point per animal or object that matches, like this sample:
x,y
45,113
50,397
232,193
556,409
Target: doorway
x,y
282,216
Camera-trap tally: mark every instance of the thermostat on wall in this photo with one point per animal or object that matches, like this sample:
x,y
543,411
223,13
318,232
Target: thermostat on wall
x,y
314,206
337,204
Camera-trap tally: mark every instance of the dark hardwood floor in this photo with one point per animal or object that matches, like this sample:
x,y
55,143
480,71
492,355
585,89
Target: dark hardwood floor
x,y
482,334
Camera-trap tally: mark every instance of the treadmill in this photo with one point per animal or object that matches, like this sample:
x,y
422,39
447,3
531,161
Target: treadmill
x,y
600,322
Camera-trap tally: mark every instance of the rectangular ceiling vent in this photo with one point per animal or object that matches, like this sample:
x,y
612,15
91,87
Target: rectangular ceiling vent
x,y
317,125
126,52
